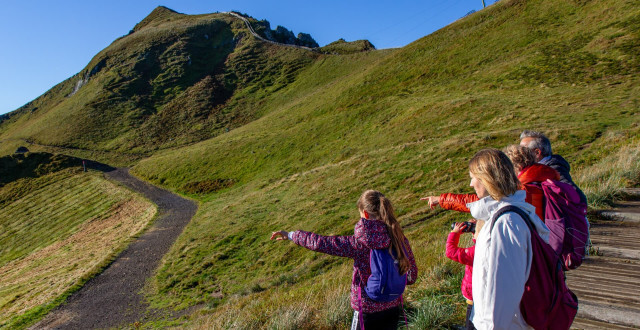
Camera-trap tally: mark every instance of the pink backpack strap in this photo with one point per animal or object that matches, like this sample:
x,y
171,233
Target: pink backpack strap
x,y
360,317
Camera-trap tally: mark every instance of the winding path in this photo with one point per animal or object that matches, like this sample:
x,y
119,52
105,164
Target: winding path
x,y
113,298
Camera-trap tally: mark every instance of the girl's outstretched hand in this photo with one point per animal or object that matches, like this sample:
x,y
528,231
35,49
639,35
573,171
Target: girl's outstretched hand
x,y
280,235
433,201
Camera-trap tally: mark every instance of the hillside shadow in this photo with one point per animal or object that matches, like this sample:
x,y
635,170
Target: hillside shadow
x,y
94,165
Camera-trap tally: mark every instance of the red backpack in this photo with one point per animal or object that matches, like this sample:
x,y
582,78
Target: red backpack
x,y
547,302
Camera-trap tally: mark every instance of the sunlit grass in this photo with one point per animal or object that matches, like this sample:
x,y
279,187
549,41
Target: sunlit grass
x,y
404,122
310,133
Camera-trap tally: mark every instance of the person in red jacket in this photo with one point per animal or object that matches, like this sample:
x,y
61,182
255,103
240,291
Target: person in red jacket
x,y
465,257
528,171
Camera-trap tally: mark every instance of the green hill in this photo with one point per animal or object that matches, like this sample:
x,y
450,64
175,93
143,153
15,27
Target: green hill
x,y
297,136
174,79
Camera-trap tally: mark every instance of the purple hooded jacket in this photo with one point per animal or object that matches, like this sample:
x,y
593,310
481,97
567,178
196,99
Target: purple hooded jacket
x,y
368,234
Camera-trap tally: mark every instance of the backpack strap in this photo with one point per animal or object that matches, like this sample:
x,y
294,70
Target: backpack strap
x,y
360,316
517,210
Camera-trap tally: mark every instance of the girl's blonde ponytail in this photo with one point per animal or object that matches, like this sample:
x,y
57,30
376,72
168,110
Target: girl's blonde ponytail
x,y
395,231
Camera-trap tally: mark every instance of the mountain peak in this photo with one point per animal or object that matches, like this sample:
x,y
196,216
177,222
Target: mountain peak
x,y
158,14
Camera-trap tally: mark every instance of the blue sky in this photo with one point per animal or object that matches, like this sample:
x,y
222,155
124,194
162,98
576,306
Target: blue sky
x,y
45,42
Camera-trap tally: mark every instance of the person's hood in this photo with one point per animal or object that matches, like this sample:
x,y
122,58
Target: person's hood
x,y
372,233
484,209
538,173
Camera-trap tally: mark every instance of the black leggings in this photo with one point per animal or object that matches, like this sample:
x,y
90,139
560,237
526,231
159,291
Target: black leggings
x,y
383,320
469,324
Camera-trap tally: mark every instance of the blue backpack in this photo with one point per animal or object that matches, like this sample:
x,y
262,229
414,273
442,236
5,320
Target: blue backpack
x,y
385,283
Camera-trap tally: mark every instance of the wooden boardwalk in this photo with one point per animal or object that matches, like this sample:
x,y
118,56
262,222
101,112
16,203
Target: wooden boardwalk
x,y
608,284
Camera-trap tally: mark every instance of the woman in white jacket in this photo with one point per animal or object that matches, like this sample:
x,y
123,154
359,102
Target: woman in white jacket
x,y
503,254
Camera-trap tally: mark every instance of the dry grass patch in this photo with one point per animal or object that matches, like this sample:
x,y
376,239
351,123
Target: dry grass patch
x,y
47,273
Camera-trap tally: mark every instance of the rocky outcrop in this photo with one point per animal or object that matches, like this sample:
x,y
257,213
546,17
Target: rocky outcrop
x,y
282,35
305,39
342,46
84,78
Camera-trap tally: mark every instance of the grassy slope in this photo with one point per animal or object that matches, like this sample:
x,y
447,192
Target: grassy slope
x,y
404,122
57,231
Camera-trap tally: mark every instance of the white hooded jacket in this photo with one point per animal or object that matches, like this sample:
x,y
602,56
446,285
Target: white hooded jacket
x,y
502,262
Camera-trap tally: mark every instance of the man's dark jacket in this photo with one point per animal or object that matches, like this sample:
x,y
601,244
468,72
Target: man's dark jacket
x,y
562,166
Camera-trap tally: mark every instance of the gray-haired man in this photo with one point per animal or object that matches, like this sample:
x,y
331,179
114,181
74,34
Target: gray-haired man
x,y
541,146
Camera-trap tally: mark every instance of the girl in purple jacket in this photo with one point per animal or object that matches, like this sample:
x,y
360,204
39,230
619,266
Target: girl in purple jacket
x,y
377,229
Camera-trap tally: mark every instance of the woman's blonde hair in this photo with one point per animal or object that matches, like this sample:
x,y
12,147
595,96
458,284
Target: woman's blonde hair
x,y
379,207
521,157
495,171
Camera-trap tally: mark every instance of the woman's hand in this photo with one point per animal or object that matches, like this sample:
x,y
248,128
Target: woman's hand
x,y
433,201
280,235
458,227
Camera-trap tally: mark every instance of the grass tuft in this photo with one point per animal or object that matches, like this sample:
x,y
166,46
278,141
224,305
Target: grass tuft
x,y
604,181
433,313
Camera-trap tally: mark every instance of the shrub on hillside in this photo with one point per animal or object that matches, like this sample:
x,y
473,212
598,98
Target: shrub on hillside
x,y
33,165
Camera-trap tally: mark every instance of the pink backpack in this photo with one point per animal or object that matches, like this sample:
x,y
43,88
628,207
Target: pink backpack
x,y
566,217
547,302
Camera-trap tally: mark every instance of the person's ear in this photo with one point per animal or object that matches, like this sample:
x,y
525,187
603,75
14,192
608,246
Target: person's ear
x,y
538,153
366,214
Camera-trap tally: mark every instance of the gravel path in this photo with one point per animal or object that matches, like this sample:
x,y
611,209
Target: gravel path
x,y
113,298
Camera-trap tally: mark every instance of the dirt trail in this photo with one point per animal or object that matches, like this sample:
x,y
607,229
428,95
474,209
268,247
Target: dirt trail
x,y
607,285
113,298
